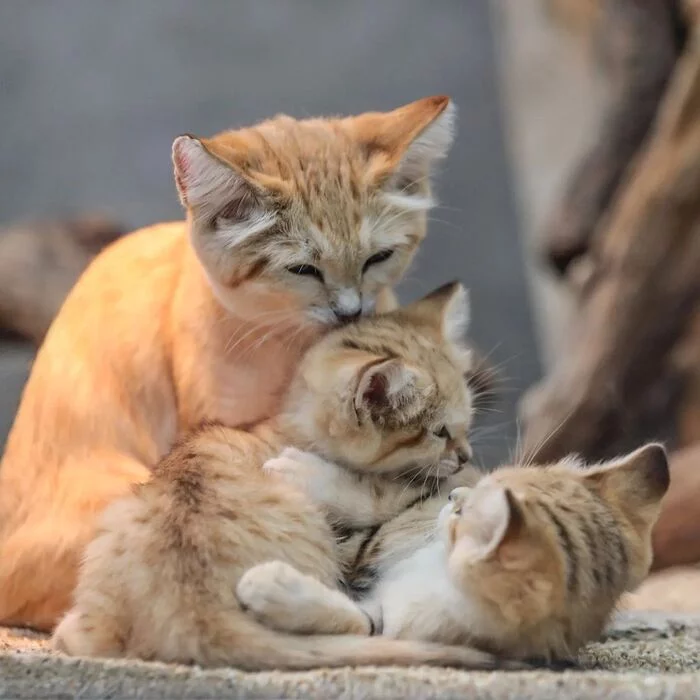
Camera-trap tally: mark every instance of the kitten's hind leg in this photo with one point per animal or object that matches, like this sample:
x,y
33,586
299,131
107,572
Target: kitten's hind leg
x,y
82,634
283,598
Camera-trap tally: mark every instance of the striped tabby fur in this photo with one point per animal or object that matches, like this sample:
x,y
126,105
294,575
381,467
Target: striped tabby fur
x,y
159,580
527,562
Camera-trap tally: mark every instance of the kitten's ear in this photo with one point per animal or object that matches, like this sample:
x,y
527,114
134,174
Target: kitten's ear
x,y
408,140
501,517
447,306
635,481
386,387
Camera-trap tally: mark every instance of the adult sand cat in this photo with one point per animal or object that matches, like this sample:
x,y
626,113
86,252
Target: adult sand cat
x,y
292,226
386,396
529,562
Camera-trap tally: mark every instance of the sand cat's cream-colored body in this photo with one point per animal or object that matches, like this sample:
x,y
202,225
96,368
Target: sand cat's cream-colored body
x,y
527,563
292,226
388,397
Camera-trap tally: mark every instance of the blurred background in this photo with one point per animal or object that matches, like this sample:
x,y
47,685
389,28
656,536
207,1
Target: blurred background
x,y
92,95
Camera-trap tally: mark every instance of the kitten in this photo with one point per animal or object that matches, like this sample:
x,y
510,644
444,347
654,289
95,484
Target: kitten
x,y
292,227
387,397
528,563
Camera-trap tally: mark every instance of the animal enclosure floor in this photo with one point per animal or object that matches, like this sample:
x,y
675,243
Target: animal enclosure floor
x,y
643,655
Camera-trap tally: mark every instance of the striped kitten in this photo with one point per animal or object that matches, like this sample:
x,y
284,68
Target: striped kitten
x,y
528,563
158,581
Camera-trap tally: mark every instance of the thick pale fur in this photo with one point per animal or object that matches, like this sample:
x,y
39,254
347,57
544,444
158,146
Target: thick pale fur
x,y
205,319
159,580
528,562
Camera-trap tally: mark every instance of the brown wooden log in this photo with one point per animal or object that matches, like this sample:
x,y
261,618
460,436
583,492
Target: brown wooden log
x,y
686,363
580,17
640,43
39,263
620,367
676,537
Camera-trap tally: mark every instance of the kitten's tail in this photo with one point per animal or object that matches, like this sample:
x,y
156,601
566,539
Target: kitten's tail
x,y
248,645
253,647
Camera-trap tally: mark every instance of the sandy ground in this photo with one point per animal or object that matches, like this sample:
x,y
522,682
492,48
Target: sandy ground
x,y
643,655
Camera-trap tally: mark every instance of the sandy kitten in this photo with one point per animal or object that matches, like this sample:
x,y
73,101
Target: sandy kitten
x,y
528,563
387,396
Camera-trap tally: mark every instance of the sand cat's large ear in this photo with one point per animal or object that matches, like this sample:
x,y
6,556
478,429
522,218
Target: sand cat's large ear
x,y
636,481
497,517
405,144
212,189
448,307
386,387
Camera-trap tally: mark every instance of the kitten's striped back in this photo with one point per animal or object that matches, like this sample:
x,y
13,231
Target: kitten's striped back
x,y
547,551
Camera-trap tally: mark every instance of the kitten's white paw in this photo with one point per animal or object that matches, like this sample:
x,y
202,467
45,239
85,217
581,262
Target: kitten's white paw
x,y
300,455
292,463
271,592
312,474
283,598
292,472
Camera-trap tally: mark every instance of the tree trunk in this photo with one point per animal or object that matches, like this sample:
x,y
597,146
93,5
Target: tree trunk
x,y
640,43
642,299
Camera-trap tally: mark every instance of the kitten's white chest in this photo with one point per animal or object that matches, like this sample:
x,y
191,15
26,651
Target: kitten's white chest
x,y
418,601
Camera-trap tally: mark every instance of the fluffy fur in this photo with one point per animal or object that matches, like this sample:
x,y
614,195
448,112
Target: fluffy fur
x,y
159,580
292,226
528,562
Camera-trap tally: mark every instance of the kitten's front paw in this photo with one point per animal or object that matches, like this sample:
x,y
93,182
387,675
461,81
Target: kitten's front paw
x,y
270,592
283,598
312,474
288,466
292,463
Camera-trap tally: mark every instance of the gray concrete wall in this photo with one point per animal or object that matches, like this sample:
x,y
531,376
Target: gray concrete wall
x,y
92,94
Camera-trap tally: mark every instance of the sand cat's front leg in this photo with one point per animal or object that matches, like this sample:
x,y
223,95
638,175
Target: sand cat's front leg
x,y
283,598
352,499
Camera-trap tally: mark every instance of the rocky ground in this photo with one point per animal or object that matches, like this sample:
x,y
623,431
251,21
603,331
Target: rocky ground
x,y
644,655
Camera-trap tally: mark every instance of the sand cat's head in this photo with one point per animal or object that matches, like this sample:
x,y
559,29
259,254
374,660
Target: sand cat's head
x,y
316,216
544,553
388,393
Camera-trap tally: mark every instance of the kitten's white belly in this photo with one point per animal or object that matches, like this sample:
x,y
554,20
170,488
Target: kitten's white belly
x,y
418,601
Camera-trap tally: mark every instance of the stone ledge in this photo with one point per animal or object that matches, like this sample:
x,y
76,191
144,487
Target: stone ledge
x,y
644,655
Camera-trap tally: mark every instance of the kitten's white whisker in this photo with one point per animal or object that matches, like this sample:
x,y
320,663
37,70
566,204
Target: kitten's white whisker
x,y
533,452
